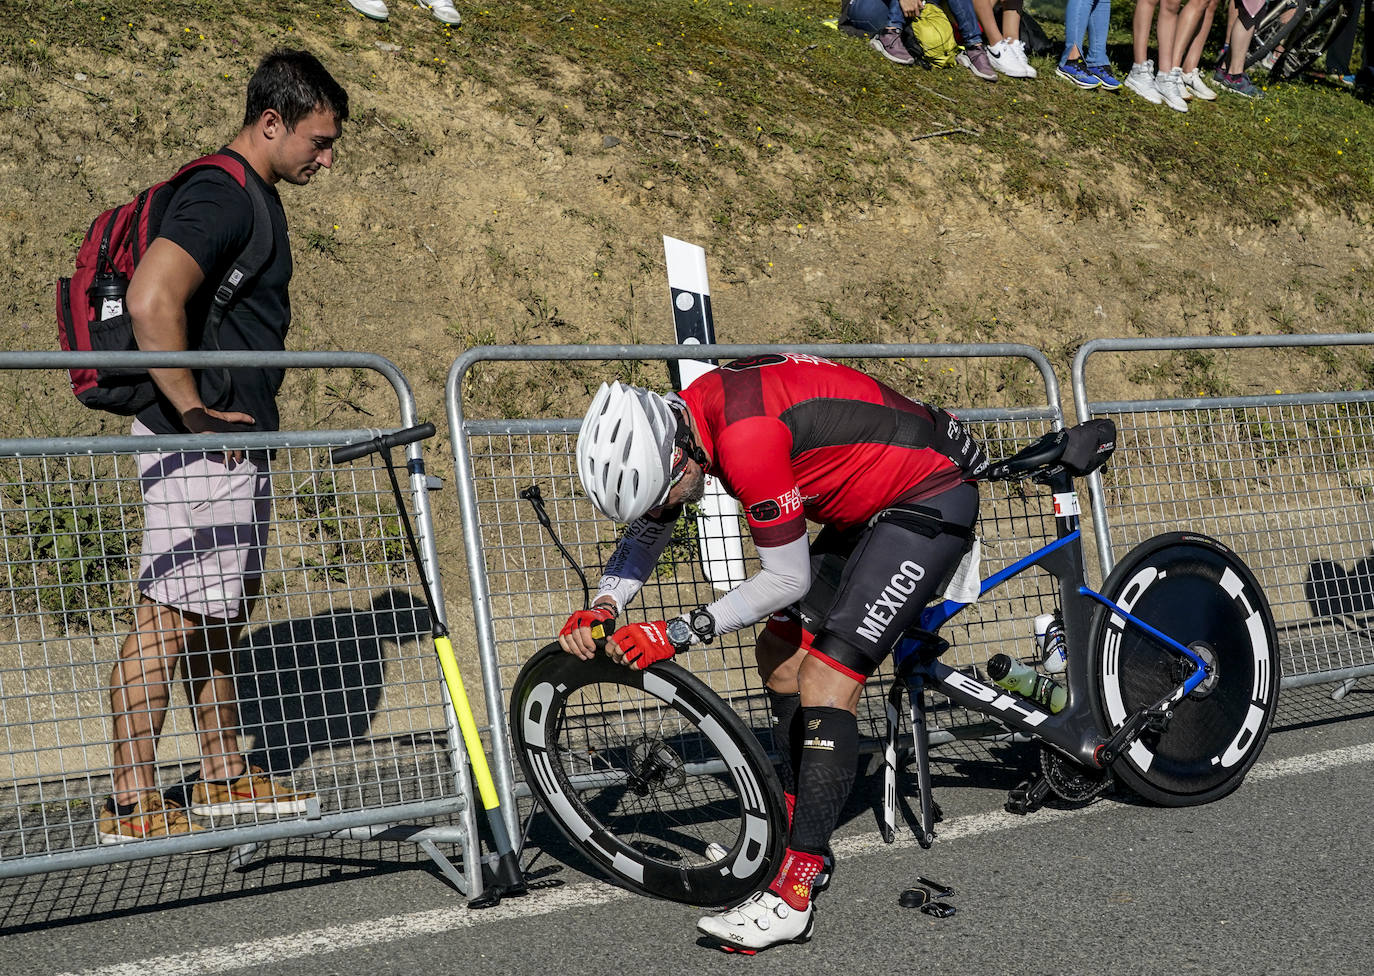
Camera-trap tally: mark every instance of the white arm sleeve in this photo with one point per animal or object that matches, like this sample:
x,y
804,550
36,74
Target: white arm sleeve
x,y
634,558
783,579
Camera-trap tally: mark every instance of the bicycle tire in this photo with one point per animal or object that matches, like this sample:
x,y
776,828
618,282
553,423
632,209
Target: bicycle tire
x,y
1199,592
1311,40
1272,29
642,771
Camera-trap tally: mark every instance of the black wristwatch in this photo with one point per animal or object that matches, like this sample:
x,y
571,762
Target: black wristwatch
x,y
680,633
702,624
697,627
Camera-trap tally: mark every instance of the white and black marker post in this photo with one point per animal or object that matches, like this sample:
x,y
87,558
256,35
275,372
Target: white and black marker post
x,y
722,554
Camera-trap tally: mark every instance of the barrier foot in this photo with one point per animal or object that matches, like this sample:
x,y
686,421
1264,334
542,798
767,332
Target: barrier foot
x,y
446,868
242,855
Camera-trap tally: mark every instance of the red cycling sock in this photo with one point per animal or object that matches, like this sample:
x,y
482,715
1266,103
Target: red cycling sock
x,y
793,883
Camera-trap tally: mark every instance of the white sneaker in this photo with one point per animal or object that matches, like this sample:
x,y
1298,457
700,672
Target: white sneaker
x,y
1192,81
1024,61
443,11
1141,80
1170,85
760,921
1004,59
375,9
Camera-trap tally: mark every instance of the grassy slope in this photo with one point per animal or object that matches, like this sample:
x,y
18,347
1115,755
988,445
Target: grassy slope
x,y
753,83
753,122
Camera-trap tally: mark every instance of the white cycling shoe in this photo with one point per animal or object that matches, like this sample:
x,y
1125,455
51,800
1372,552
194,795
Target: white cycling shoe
x,y
760,921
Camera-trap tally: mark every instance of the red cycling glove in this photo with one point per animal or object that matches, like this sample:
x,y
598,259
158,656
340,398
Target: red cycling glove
x,y
588,618
644,644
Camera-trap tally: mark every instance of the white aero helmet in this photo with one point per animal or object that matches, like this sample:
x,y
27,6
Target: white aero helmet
x,y
625,450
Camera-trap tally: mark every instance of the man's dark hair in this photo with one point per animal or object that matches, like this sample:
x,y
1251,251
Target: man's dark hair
x,y
295,84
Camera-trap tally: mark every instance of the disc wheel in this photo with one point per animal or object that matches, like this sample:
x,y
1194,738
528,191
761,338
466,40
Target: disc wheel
x,y
650,775
1198,592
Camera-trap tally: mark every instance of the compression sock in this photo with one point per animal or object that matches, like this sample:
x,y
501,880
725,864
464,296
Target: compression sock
x,y
786,714
830,753
793,883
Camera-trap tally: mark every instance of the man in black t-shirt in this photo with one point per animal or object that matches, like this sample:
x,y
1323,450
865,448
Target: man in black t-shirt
x,y
206,514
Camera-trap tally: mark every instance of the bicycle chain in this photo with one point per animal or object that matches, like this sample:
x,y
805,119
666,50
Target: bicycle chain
x,y
1070,781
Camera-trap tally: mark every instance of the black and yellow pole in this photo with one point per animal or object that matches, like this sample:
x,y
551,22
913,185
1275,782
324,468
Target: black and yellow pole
x,y
508,879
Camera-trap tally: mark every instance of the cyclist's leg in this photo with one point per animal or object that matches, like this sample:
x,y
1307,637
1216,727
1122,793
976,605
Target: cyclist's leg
x,y
898,565
783,644
779,662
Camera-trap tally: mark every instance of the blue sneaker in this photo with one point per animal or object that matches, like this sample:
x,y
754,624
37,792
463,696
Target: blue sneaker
x,y
1107,81
1077,72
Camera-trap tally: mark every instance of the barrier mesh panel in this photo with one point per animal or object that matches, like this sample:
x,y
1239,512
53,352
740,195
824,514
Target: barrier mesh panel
x,y
335,690
1288,485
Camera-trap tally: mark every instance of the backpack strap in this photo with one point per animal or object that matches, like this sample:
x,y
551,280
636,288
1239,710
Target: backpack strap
x,y
250,262
252,259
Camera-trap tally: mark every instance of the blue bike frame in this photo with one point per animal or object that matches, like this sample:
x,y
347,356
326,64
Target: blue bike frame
x,y
1074,730
937,615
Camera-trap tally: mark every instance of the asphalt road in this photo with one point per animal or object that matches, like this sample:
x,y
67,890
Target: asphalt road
x,y
1273,879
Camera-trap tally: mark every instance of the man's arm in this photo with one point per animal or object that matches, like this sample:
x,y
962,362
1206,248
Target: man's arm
x,y
630,565
163,283
783,578
754,457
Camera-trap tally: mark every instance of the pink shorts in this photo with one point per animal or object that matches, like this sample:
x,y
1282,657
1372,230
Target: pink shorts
x,y
204,531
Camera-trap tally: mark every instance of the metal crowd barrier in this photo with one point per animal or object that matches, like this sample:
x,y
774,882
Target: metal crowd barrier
x,y
1284,478
523,589
337,689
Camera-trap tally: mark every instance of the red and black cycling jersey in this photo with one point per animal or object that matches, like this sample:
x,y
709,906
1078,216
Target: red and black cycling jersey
x,y
797,437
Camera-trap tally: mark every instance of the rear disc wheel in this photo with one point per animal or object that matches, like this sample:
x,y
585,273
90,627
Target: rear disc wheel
x,y
1198,592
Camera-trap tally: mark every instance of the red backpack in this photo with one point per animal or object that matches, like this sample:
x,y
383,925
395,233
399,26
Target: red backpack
x,y
90,304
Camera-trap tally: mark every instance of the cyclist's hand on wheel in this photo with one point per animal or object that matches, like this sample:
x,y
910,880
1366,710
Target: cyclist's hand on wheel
x,y
577,637
640,645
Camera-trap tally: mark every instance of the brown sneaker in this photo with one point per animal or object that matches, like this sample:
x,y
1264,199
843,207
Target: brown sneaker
x,y
153,816
254,792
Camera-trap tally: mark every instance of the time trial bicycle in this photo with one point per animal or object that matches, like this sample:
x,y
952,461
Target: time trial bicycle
x,y
1172,682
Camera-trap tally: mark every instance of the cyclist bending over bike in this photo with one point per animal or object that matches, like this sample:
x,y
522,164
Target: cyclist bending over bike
x,y
794,438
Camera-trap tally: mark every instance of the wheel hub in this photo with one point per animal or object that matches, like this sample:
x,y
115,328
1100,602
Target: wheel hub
x,y
654,765
1209,660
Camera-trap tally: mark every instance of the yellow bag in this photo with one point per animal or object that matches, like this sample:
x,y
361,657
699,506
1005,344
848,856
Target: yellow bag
x,y
934,33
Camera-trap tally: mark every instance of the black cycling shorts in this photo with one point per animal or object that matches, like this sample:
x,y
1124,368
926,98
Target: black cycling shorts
x,y
870,583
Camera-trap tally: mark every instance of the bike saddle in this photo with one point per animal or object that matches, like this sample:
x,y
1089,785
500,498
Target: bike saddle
x,y
1043,453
